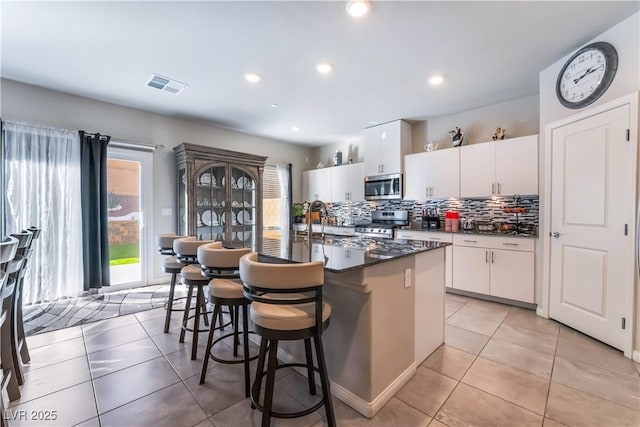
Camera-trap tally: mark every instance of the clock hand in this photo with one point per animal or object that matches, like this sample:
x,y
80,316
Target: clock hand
x,y
589,71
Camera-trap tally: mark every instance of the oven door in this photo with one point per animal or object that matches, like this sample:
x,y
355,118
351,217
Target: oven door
x,y
383,187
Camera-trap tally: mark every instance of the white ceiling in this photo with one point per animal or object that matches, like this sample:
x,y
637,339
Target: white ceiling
x,y
490,52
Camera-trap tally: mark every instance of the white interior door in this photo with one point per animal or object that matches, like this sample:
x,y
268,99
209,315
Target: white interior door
x,y
591,258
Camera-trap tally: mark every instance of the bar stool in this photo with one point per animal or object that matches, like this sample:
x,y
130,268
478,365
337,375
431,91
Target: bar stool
x,y
225,289
287,305
9,266
170,265
24,349
23,252
186,250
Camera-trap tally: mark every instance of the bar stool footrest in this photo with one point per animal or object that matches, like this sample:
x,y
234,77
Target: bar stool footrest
x,y
227,361
302,413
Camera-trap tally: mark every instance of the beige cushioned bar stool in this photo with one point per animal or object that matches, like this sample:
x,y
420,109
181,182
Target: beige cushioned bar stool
x,y
287,305
9,266
225,288
23,252
186,250
170,265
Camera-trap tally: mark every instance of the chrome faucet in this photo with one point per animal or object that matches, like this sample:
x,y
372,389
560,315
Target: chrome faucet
x,y
310,225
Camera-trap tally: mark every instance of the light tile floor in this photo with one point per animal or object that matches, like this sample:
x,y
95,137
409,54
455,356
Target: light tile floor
x,y
499,366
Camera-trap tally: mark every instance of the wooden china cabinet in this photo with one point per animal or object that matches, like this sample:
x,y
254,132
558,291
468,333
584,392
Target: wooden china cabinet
x,y
219,195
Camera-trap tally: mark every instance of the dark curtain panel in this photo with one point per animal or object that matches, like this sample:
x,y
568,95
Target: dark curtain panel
x,y
290,187
95,221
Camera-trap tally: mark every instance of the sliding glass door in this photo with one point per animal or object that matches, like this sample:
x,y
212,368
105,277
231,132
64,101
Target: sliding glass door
x,y
128,182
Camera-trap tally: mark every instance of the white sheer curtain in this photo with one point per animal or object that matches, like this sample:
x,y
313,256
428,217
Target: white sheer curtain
x,y
42,182
284,178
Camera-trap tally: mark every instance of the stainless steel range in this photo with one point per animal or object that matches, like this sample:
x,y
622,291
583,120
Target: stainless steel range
x,y
382,224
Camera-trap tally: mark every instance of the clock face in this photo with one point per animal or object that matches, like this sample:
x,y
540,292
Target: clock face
x,y
587,75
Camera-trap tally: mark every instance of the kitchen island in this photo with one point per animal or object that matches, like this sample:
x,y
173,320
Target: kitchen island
x,y
387,316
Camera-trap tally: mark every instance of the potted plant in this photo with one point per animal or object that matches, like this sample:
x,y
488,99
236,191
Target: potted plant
x,y
298,212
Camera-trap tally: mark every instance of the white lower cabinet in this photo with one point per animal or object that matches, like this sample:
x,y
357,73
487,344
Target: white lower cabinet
x,y
431,236
496,266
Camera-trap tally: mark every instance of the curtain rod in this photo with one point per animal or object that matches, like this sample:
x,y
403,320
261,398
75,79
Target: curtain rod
x,y
135,145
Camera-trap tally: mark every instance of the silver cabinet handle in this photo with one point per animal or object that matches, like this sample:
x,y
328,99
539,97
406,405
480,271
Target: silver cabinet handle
x,y
492,254
493,188
470,241
555,234
426,191
431,191
510,244
499,190
486,257
434,238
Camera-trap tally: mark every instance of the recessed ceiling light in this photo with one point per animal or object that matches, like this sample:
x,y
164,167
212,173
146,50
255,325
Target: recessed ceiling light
x,y
295,128
435,80
324,68
274,105
358,8
252,77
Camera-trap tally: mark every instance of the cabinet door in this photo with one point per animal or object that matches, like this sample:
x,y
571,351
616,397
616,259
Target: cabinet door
x,y
347,183
477,170
512,275
416,178
372,151
355,182
317,184
517,166
391,136
471,269
444,172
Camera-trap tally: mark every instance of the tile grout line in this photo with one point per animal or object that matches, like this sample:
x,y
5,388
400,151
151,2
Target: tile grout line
x,y
470,365
93,387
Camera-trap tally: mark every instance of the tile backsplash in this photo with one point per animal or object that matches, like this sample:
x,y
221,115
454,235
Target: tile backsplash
x,y
483,210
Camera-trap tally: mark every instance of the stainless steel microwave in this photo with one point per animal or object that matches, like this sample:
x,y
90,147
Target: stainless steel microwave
x,y
383,187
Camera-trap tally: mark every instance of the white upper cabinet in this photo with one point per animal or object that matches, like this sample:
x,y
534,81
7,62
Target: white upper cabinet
x,y
335,184
347,183
500,168
316,184
385,146
432,175
517,166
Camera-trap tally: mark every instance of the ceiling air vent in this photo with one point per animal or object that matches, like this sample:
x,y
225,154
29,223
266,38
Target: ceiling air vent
x,y
165,84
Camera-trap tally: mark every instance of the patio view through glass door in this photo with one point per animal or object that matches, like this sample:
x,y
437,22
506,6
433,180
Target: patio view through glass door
x,y
125,172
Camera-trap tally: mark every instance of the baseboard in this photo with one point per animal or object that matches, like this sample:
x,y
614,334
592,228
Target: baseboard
x,y
636,356
540,312
368,409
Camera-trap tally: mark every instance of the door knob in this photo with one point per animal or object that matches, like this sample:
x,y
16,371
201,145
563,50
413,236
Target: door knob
x,y
555,234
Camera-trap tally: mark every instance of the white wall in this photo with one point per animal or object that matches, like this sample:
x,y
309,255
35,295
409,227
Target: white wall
x,y
30,104
626,39
519,117
351,149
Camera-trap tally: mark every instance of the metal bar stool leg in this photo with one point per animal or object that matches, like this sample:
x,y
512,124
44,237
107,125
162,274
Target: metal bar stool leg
x,y
245,343
196,322
324,381
185,316
172,289
310,375
236,339
269,387
212,329
257,384
24,349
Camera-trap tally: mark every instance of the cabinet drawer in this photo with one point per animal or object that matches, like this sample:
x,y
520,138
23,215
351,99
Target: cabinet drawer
x,y
424,236
508,243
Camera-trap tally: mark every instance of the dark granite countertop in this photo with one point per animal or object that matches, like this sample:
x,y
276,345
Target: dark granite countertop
x,y
417,226
341,254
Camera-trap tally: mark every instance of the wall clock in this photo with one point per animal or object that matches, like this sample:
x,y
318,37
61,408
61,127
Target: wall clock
x,y
586,76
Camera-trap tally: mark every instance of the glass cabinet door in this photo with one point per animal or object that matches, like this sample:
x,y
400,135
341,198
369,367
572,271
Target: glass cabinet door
x,y
243,208
210,202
